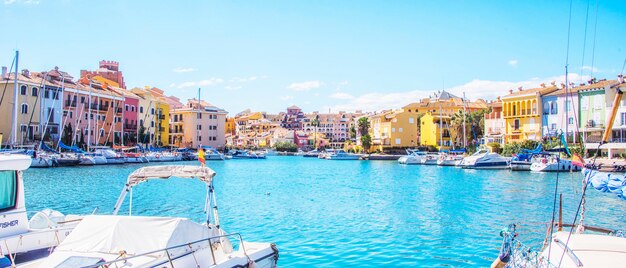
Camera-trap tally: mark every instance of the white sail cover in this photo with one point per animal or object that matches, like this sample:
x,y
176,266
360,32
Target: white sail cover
x,y
204,174
133,234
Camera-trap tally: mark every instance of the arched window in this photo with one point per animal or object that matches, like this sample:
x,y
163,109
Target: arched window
x,y
553,108
102,132
34,91
24,108
23,90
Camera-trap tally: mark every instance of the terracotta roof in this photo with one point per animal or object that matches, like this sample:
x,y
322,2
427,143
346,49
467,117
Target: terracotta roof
x,y
540,90
293,107
597,85
561,91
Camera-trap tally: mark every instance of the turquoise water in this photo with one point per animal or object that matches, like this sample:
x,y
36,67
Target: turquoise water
x,y
341,213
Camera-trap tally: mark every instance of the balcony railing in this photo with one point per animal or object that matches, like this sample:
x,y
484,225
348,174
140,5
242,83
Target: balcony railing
x,y
161,116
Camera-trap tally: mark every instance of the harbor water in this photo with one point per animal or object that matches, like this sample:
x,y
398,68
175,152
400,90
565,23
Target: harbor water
x,y
344,213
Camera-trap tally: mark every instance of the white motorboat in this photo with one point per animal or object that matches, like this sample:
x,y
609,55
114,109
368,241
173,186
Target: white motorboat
x,y
98,159
19,235
148,241
113,158
241,154
551,162
413,157
342,155
325,153
86,160
449,159
430,159
485,159
211,154
314,153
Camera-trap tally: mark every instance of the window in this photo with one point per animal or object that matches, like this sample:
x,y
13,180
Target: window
x,y
393,129
553,126
398,141
399,129
126,107
71,114
199,116
152,111
199,138
546,108
24,108
65,113
141,109
132,108
568,105
56,95
411,119
102,132
516,124
151,123
34,92
553,108
23,90
623,118
47,94
199,127
141,122
86,116
23,128
8,190
570,120
82,99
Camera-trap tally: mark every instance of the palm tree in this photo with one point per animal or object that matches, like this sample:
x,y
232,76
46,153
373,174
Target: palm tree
x,y
315,122
456,126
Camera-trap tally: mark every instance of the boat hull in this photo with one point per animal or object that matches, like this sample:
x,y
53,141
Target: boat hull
x,y
520,165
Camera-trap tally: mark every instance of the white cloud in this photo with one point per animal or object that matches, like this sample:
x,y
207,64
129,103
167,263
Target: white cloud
x,y
341,96
477,88
202,83
591,69
8,2
305,86
286,98
183,70
513,62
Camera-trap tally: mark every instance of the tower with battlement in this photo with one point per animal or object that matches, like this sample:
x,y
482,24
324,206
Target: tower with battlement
x,y
107,69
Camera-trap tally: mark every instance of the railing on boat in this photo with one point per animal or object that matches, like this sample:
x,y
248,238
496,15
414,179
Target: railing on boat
x,y
169,257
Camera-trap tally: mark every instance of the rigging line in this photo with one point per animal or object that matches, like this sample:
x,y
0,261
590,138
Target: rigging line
x,y
623,65
7,81
569,31
556,188
582,198
582,64
593,50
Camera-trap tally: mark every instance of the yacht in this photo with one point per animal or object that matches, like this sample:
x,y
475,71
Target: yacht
x,y
485,159
522,161
159,241
22,238
449,159
87,160
314,153
111,156
41,161
430,159
135,158
211,153
163,157
98,159
551,162
242,154
342,155
413,157
325,153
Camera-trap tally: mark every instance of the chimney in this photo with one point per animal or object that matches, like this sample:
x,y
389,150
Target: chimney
x,y
553,83
4,72
543,85
510,91
620,78
26,73
519,88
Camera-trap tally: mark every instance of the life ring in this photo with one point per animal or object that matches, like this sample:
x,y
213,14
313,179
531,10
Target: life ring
x,y
544,161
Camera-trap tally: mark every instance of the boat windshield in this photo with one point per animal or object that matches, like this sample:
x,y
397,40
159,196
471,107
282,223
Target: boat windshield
x,y
8,189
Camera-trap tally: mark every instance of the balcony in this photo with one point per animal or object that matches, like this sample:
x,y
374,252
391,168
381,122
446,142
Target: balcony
x,y
129,126
70,104
119,110
161,116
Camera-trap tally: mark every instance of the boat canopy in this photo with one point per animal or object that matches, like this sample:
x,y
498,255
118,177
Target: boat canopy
x,y
110,234
45,147
606,182
62,145
204,174
14,162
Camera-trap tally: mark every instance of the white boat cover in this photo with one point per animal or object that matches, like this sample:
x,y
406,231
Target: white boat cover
x,y
592,250
14,162
204,174
133,234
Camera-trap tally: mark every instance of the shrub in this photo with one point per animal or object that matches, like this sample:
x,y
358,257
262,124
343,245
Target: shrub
x,y
285,146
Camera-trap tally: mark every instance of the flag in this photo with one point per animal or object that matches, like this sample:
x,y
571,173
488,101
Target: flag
x,y
564,142
201,156
577,160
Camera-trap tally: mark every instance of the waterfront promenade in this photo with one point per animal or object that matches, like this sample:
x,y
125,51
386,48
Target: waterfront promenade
x,y
343,213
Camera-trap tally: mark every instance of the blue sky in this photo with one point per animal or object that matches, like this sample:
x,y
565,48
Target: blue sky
x,y
319,55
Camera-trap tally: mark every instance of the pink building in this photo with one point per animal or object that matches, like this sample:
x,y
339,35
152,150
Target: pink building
x,y
129,116
109,70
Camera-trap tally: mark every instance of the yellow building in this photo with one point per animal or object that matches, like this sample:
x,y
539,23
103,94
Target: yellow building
x,y
435,131
445,103
393,129
154,115
230,127
522,111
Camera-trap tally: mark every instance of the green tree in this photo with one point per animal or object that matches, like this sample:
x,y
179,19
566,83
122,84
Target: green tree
x,y
66,138
366,141
352,132
364,126
285,146
142,134
315,123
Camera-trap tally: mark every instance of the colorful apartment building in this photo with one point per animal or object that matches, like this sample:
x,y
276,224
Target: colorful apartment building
x,y
495,129
435,131
594,107
393,129
334,127
559,112
28,127
230,126
293,119
198,124
153,116
130,116
522,110
445,103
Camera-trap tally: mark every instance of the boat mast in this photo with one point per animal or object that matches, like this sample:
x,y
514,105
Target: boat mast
x,y
15,100
464,116
89,119
198,133
440,124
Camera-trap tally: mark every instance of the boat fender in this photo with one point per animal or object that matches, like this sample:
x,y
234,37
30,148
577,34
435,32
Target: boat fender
x,y
5,262
251,264
501,260
158,156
